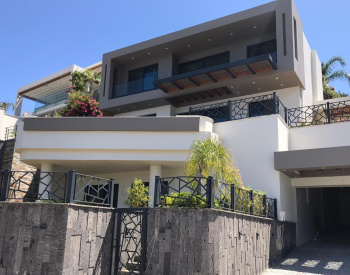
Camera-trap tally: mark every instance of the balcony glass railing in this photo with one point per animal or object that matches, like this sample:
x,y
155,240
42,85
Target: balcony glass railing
x,y
134,87
52,100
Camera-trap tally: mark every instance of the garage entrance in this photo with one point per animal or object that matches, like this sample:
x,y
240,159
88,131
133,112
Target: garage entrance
x,y
322,213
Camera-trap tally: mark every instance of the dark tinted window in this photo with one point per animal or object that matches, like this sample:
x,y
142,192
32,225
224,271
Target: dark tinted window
x,y
205,62
263,48
142,79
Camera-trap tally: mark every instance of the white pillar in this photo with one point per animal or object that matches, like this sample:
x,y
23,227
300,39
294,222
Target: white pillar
x,y
45,180
154,170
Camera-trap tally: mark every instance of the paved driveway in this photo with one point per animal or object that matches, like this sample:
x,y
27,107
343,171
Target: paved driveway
x,y
330,255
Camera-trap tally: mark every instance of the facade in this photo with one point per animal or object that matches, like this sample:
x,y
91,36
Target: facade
x,y
250,79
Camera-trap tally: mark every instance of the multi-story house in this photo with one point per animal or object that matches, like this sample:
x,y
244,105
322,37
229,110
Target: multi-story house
x,y
249,78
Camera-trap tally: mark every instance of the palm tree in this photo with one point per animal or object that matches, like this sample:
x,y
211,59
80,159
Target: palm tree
x,y
210,158
330,74
7,105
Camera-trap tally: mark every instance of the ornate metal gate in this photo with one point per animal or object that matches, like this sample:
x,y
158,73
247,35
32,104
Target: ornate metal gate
x,y
131,241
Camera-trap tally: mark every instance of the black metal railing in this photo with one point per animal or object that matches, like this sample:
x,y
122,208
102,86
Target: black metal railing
x,y
93,190
242,108
10,132
55,187
329,112
205,193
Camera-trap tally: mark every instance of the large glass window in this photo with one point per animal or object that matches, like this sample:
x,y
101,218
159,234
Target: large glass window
x,y
263,48
205,62
142,79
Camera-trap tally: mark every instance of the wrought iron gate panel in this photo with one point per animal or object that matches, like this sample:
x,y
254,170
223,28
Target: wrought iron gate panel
x,y
131,241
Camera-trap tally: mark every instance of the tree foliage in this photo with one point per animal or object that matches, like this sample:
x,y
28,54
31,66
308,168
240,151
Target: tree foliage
x,y
210,158
81,104
85,81
138,195
80,100
7,105
331,73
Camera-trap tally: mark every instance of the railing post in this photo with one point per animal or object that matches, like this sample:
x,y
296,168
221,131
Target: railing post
x,y
233,197
111,192
156,191
328,113
274,110
286,115
275,208
71,186
5,184
251,195
229,110
210,197
265,206
190,111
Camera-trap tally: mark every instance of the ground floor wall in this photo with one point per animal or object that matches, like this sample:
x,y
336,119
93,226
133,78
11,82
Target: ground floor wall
x,y
55,239
203,241
73,239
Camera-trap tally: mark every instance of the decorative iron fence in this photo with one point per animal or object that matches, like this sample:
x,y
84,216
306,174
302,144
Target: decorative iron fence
x,y
10,132
329,112
55,187
93,190
242,108
308,115
205,193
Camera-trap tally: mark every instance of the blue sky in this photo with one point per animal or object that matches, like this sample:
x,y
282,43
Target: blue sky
x,y
38,38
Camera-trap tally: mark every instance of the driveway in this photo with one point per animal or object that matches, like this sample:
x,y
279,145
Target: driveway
x,y
330,255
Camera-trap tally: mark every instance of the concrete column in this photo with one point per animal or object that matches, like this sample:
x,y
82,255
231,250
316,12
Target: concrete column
x,y
44,187
18,106
154,170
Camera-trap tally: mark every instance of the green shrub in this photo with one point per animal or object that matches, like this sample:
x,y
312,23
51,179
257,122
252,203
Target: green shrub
x,y
183,199
138,195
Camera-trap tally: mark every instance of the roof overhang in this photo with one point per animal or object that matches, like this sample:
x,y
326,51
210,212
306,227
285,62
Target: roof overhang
x,y
53,83
313,162
246,67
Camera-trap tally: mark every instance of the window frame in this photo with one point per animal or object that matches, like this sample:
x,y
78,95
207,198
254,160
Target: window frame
x,y
202,60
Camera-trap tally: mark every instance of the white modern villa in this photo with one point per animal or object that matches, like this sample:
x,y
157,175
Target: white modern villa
x,y
249,78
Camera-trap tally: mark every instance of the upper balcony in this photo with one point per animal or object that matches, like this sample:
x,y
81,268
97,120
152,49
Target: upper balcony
x,y
220,58
50,93
214,74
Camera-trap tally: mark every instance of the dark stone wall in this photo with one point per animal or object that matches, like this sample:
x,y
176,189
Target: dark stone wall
x,y
73,239
55,239
204,241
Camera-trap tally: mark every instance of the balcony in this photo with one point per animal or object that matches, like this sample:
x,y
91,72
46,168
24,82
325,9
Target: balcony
x,y
50,101
202,77
327,113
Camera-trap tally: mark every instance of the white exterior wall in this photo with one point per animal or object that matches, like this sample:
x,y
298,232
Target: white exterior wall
x,y
307,95
320,136
6,120
253,142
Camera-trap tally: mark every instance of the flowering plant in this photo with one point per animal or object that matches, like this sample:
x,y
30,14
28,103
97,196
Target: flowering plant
x,y
81,104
